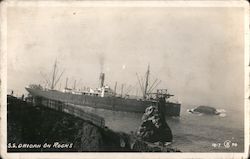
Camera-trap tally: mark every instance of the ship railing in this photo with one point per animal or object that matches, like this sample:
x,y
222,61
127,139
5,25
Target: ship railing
x,y
76,111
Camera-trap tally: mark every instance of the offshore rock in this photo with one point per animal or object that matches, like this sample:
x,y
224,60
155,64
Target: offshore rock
x,y
154,127
205,110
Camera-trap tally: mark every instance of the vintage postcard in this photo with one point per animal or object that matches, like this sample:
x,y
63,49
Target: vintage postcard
x,y
124,79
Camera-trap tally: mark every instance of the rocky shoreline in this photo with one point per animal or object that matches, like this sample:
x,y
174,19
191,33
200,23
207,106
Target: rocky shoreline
x,y
40,129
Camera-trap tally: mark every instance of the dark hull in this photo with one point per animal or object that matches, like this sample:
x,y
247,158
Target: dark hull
x,y
111,103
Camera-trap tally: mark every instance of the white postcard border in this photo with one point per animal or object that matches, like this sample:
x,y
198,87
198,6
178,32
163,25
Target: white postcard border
x,y
103,155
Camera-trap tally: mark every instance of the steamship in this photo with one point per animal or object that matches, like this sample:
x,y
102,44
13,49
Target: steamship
x,y
105,98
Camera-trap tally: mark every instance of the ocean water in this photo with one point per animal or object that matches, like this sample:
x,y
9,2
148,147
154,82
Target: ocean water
x,y
192,132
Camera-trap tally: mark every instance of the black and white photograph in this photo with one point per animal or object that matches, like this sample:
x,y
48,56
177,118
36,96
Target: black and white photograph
x,y
110,78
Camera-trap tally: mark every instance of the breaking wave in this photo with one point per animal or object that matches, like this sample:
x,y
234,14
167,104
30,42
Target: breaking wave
x,y
222,114
221,110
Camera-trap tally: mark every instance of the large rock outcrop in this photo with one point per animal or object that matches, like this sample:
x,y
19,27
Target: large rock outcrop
x,y
154,128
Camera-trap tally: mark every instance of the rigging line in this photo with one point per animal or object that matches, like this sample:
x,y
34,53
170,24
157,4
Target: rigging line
x,y
132,87
129,89
143,83
139,82
152,74
59,78
155,86
45,78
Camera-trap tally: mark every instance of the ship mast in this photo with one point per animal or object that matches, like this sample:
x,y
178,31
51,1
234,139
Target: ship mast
x,y
146,84
146,87
115,89
122,89
66,85
53,77
74,85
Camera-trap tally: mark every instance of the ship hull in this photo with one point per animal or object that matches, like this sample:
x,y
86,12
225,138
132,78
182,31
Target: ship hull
x,y
111,103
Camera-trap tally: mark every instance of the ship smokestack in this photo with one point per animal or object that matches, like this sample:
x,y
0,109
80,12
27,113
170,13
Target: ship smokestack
x,y
102,77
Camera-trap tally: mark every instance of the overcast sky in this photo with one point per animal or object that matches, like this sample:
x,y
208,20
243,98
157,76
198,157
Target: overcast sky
x,y
197,53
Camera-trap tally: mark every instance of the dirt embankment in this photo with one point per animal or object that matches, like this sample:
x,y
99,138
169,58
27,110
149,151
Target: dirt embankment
x,y
39,128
